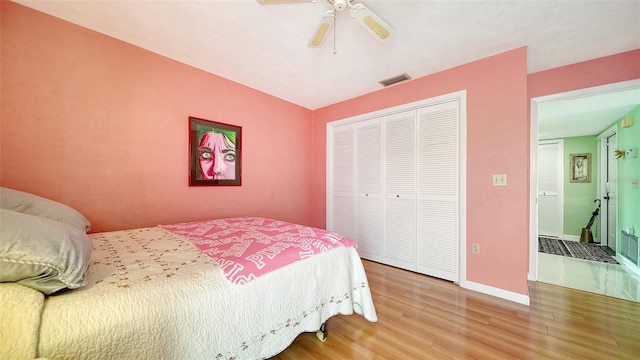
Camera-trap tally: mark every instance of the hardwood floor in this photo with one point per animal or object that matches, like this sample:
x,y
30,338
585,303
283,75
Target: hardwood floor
x,y
420,317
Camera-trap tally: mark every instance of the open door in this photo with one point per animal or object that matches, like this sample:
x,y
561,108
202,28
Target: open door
x,y
610,195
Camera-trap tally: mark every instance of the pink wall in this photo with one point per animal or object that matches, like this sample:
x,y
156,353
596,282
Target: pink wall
x,y
103,126
497,143
606,70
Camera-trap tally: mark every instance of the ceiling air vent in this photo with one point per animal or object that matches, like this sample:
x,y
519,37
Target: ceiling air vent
x,y
394,80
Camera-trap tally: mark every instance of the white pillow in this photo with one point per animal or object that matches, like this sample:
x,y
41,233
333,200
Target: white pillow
x,y
41,253
27,203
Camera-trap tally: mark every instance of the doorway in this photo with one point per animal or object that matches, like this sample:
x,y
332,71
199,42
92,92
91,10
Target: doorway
x,y
605,90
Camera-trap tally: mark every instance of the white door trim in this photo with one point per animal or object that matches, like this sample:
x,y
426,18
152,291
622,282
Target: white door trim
x,y
533,173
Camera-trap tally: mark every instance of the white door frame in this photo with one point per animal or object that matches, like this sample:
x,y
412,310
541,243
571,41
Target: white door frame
x,y
533,171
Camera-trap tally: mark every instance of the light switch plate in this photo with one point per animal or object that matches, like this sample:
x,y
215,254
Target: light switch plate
x,y
475,248
499,180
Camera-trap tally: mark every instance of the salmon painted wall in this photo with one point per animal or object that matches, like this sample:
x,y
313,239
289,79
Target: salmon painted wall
x,y
102,125
497,143
606,70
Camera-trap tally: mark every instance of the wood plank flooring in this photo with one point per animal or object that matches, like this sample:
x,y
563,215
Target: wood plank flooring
x,y
420,317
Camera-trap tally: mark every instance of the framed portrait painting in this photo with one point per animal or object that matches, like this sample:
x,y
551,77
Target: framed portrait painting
x,y
214,153
580,168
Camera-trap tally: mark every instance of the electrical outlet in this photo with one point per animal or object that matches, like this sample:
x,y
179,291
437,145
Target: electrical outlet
x,y
499,180
475,248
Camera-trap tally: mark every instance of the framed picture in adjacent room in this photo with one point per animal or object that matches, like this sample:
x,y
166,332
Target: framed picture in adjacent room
x,y
214,153
580,168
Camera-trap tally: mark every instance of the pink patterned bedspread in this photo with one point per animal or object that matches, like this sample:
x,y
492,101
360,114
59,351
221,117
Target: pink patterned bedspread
x,y
248,247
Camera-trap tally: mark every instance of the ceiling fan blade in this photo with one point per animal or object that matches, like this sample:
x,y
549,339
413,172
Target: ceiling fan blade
x,y
274,2
371,22
322,30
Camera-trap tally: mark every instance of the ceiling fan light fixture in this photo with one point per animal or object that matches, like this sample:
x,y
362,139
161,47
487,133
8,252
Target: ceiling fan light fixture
x,y
371,22
339,4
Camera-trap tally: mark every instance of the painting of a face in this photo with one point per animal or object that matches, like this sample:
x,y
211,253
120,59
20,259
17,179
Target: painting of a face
x,y
217,156
215,153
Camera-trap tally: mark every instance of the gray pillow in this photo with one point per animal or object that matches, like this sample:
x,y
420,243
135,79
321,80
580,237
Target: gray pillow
x,y
41,253
27,203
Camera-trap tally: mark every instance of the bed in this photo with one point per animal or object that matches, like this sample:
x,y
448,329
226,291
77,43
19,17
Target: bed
x,y
159,293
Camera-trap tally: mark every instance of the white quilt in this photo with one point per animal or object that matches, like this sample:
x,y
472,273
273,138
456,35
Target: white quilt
x,y
151,295
20,309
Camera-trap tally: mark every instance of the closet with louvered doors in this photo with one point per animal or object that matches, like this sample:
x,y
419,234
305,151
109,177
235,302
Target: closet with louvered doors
x,y
393,186
341,199
368,170
438,191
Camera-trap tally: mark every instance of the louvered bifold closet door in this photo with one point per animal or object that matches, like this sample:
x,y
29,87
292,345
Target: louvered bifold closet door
x,y
399,211
342,210
437,182
548,212
368,189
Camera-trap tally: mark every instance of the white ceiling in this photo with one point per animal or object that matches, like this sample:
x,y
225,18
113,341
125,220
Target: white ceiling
x,y
586,112
264,46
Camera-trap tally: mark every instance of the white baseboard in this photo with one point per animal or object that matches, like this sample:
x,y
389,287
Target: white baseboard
x,y
500,293
629,266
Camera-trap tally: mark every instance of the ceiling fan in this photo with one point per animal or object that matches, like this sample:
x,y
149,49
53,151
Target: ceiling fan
x,y
371,22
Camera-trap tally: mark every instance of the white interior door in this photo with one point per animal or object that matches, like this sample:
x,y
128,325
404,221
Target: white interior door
x,y
611,196
437,187
399,190
342,195
368,190
550,169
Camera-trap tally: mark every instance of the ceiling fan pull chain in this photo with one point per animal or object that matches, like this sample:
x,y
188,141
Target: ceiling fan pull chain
x,y
335,15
